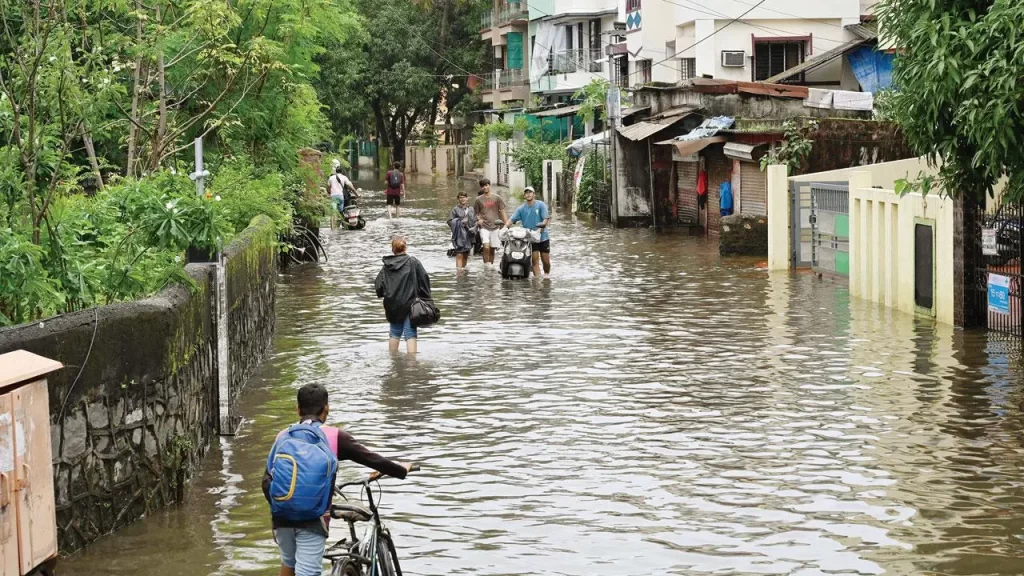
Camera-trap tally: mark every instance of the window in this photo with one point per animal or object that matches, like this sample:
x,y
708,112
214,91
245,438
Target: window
x,y
595,55
773,57
643,71
687,68
620,71
632,5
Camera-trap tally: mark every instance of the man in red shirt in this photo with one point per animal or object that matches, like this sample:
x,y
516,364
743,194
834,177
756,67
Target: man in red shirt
x,y
396,188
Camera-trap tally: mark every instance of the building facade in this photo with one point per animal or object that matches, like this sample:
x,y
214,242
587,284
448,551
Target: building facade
x,y
743,40
506,27
567,46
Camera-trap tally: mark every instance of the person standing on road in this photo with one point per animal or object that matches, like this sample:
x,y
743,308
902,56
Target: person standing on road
x,y
340,189
490,215
400,282
462,221
534,215
396,188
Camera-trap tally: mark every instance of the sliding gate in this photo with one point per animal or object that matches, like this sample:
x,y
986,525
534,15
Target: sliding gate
x,y
820,226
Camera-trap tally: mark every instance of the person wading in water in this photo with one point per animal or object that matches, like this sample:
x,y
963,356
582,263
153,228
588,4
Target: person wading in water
x,y
400,282
462,221
490,215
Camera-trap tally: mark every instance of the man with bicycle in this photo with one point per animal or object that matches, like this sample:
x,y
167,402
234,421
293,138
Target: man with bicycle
x,y
298,486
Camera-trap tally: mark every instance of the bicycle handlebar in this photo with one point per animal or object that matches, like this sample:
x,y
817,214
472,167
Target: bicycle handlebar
x,y
415,467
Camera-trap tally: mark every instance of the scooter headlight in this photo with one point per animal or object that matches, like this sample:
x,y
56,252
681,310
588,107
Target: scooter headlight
x,y
518,255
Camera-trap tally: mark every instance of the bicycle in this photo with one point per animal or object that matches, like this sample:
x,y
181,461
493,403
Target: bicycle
x,y
372,555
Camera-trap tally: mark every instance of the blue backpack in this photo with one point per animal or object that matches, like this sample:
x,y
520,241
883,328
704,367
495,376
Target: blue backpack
x,y
302,469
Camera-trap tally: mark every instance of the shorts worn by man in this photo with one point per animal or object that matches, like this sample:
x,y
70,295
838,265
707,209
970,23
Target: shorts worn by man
x,y
534,215
302,542
490,214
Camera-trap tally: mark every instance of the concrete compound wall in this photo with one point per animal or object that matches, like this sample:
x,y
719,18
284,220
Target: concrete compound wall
x,y
134,409
882,258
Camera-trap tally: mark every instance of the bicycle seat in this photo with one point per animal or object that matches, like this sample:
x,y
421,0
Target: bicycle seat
x,y
350,513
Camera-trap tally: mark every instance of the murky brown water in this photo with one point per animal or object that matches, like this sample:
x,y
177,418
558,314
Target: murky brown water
x,y
652,409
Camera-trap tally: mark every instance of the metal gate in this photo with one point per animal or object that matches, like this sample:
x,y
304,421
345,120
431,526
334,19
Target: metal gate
x,y
800,224
830,228
1000,279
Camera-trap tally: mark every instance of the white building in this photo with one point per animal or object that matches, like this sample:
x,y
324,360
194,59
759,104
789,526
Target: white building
x,y
743,40
567,45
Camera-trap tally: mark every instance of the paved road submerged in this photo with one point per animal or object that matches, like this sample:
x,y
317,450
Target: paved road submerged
x,y
651,409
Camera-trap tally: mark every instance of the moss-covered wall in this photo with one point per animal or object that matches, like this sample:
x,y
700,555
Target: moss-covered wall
x,y
135,407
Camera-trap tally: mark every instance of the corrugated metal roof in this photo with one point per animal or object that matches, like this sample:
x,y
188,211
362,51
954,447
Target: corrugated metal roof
x,y
647,128
865,30
818,60
563,111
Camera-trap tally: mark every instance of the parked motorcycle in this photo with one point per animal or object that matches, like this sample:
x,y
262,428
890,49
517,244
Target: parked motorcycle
x,y
517,252
1009,234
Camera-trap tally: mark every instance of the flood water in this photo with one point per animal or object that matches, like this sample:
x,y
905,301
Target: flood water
x,y
650,409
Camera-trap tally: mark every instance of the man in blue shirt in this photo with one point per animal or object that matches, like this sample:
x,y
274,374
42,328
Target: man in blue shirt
x,y
534,215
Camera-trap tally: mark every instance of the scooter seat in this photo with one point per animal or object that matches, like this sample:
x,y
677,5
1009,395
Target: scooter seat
x,y
350,513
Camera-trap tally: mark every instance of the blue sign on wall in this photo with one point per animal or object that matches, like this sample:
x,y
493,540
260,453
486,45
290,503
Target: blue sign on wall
x,y
998,294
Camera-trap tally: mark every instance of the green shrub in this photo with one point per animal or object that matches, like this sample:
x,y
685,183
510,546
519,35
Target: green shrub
x,y
245,196
482,133
594,177
529,156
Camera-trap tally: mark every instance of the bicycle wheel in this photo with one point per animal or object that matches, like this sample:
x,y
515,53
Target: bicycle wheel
x,y
389,545
385,560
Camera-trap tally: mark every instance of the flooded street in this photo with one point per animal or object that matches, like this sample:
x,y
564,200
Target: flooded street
x,y
651,409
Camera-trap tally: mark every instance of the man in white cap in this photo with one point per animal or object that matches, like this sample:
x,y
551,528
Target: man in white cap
x,y
534,215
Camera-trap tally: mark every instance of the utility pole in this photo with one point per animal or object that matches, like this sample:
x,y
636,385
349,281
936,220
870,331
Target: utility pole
x,y
614,114
225,421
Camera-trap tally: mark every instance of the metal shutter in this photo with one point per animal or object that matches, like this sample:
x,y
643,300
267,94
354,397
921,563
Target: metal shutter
x,y
686,191
753,190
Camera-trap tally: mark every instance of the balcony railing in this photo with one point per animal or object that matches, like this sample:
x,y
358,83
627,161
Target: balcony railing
x,y
569,61
513,11
505,79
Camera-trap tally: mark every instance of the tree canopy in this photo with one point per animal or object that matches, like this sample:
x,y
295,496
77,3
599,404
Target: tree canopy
x,y
959,97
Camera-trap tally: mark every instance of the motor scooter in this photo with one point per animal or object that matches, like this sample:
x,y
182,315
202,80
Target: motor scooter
x,y
350,215
517,252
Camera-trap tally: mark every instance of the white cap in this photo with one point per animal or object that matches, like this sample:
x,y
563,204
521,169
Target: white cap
x,y
529,189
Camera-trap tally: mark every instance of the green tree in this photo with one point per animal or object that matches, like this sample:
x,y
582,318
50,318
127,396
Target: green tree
x,y
958,75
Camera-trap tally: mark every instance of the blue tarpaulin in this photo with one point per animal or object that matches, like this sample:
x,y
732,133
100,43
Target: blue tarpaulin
x,y
872,68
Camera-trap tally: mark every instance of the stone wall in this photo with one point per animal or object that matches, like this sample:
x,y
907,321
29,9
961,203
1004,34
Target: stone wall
x,y
136,405
743,234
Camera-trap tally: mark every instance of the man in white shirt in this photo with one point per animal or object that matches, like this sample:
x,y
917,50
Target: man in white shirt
x,y
336,186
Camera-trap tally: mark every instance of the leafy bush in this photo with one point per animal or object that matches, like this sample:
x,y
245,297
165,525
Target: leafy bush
x,y
482,133
244,196
594,178
531,154
126,242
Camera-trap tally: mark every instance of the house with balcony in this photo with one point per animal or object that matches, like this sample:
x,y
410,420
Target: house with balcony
x,y
567,45
506,27
827,43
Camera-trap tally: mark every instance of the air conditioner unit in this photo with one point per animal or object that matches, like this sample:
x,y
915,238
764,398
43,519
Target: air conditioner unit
x,y
734,58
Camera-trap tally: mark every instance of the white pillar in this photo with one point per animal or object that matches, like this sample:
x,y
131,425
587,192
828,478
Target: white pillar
x,y
492,161
779,237
860,229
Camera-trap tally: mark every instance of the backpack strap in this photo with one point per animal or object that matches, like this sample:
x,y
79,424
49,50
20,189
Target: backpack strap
x,y
333,438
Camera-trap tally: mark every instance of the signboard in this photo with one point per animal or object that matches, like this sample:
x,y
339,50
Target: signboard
x,y
999,294
989,246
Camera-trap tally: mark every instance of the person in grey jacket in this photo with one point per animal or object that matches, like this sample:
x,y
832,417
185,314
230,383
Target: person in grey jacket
x,y
399,283
462,221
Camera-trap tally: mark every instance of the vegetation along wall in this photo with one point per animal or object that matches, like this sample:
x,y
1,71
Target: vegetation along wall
x,y
137,403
